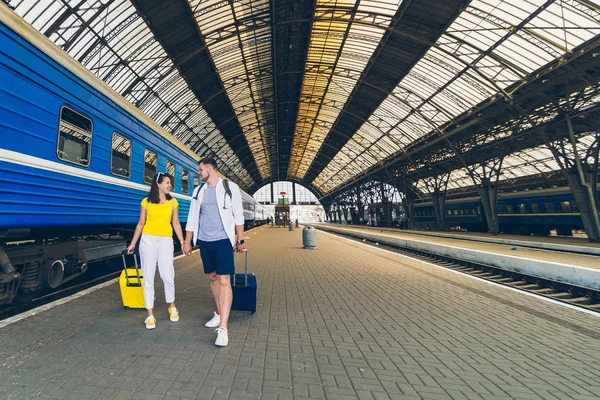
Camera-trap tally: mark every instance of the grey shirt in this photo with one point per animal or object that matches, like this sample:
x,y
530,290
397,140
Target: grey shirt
x,y
211,226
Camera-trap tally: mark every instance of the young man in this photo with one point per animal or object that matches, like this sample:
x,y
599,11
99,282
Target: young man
x,y
215,218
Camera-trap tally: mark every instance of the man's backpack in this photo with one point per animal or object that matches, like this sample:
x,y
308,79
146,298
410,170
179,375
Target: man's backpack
x,y
225,186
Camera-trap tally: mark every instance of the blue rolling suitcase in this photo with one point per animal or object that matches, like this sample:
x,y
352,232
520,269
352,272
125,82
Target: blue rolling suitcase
x,y
244,290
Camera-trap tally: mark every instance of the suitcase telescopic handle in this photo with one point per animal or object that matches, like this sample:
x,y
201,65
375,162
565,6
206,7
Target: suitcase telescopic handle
x,y
245,269
137,268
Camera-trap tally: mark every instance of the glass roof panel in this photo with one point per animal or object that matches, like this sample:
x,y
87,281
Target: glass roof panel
x,y
491,45
113,42
238,36
338,52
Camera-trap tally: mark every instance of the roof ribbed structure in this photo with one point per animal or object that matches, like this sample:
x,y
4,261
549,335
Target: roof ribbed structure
x,y
331,93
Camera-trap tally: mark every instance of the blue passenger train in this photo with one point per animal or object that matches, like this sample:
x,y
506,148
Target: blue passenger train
x,y
525,212
75,161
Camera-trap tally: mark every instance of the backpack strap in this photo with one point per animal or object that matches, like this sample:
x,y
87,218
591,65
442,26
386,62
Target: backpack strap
x,y
226,186
198,192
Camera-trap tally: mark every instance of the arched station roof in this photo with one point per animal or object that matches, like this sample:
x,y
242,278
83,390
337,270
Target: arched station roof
x,y
327,93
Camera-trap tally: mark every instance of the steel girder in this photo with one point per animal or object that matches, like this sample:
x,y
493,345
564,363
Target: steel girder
x,y
392,60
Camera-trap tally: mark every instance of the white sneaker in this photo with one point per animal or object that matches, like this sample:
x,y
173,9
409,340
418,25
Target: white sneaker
x,y
173,314
222,337
150,322
214,322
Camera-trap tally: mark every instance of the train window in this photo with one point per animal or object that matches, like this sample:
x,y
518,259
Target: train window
x,y
449,212
120,156
565,206
535,208
150,163
171,171
510,209
185,182
473,211
455,211
549,207
74,137
196,181
522,209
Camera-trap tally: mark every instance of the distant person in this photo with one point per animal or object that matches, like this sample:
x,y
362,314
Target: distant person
x,y
216,216
157,212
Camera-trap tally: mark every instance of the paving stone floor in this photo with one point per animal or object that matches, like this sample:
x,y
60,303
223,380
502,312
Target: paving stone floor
x,y
344,321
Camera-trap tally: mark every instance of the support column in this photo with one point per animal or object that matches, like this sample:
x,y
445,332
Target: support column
x,y
409,197
587,201
294,194
436,186
387,201
586,204
485,177
567,156
488,193
272,196
361,207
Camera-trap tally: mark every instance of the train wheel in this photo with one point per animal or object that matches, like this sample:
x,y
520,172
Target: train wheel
x,y
52,274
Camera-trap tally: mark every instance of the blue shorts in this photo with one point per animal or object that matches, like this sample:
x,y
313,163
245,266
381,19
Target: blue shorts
x,y
217,256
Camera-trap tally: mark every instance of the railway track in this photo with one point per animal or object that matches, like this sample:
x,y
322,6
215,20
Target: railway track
x,y
574,295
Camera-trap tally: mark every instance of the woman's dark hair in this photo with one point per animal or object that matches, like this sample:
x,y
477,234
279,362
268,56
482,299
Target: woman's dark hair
x,y
153,194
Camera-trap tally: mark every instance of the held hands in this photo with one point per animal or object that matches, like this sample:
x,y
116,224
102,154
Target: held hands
x,y
186,248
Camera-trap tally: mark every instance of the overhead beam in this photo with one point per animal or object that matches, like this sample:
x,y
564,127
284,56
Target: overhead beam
x,y
292,25
394,57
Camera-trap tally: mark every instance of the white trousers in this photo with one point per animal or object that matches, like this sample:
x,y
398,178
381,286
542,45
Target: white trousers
x,y
159,249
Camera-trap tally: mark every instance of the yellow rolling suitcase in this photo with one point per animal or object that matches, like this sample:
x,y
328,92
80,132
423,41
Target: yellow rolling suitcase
x,y
132,284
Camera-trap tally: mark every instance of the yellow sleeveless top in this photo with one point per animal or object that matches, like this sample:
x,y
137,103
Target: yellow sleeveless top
x,y
158,217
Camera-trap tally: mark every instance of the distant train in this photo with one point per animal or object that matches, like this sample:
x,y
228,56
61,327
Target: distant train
x,y
75,161
534,212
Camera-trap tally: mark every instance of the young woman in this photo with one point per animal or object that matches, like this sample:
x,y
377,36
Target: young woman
x,y
157,212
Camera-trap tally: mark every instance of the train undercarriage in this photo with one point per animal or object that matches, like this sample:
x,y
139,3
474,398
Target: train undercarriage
x,y
28,267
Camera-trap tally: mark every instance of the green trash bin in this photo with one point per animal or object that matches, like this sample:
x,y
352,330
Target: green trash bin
x,y
309,238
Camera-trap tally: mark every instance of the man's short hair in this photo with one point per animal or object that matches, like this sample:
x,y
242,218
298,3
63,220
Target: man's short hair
x,y
208,161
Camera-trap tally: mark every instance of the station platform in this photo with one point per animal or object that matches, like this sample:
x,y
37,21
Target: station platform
x,y
576,245
345,321
582,270
539,254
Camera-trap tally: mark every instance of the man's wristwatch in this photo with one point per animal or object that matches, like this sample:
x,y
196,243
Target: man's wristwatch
x,y
240,241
